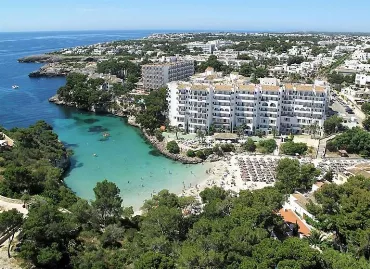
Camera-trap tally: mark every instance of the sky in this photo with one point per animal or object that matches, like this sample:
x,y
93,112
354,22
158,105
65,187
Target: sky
x,y
257,15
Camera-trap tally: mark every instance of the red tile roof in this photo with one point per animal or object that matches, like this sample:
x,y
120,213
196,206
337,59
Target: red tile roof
x,y
289,216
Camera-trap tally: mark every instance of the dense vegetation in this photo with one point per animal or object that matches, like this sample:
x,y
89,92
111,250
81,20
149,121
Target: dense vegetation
x,y
127,70
229,231
152,115
354,140
335,78
345,209
292,176
291,148
333,125
35,164
267,146
84,92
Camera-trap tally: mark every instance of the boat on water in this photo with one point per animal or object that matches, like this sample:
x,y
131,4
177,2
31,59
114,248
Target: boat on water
x,y
15,87
106,135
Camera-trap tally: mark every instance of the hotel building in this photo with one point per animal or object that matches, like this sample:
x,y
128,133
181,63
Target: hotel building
x,y
158,74
228,102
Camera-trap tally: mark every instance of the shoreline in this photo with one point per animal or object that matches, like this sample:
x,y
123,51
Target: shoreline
x,y
131,121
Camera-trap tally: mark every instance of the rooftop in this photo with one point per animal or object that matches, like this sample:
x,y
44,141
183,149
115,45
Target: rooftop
x,y
290,217
225,136
362,169
302,200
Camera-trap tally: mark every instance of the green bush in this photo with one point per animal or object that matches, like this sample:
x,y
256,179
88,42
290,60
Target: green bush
x,y
172,147
268,146
227,147
158,135
190,153
200,154
249,145
354,141
291,148
208,151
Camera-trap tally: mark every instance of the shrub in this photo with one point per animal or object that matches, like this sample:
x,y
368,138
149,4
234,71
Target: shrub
x,y
291,148
190,153
208,151
200,154
158,135
172,147
249,145
268,146
227,147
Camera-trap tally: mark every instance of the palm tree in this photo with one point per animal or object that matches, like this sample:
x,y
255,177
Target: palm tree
x,y
200,135
240,129
316,238
274,131
313,129
176,130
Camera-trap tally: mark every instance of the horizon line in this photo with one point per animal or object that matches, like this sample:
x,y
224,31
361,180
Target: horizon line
x,y
198,31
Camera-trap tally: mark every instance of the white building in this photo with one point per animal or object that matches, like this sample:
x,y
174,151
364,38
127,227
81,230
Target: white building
x,y
362,80
206,47
158,74
228,102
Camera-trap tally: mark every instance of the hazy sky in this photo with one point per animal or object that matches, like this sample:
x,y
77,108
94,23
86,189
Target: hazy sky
x,y
272,15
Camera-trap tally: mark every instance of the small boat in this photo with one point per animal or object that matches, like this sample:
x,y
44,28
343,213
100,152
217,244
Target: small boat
x,y
15,87
106,134
95,155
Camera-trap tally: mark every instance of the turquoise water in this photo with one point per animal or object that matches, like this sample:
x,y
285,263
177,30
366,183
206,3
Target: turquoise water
x,y
123,158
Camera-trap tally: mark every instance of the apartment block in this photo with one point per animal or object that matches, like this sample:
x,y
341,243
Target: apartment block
x,y
228,102
157,75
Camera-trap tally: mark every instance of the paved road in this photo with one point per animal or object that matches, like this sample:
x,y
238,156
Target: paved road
x,y
340,109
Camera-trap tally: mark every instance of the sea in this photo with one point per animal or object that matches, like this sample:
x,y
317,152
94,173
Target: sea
x,y
125,158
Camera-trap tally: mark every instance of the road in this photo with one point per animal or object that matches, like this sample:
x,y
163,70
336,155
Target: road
x,y
341,110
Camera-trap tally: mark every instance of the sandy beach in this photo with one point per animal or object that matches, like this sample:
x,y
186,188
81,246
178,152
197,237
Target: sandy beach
x,y
228,175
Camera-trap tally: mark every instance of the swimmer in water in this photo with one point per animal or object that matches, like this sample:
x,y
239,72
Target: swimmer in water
x,y
128,181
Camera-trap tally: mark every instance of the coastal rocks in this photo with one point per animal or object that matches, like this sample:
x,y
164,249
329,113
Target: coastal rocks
x,y
42,58
176,157
53,58
63,163
56,100
51,70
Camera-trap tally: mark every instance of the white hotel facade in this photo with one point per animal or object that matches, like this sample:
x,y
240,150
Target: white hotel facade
x,y
228,102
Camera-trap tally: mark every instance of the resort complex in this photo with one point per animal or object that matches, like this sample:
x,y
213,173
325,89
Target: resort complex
x,y
228,102
157,75
234,148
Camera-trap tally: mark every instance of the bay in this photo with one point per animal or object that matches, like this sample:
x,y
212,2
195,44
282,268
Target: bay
x,y
124,158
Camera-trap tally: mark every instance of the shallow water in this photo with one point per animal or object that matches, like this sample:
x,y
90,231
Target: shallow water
x,y
124,158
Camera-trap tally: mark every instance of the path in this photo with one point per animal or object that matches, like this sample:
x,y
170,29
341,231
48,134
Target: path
x,y
322,146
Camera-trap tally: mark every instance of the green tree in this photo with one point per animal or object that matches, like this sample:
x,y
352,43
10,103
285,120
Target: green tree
x,y
19,179
190,153
316,238
46,234
365,107
366,123
10,222
108,203
267,146
291,148
173,147
249,145
111,236
333,125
